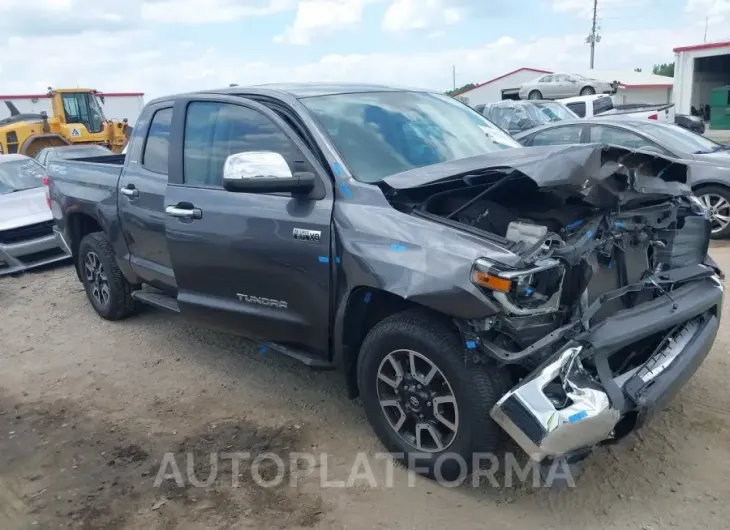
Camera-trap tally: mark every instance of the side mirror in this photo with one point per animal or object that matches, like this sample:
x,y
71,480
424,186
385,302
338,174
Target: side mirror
x,y
263,172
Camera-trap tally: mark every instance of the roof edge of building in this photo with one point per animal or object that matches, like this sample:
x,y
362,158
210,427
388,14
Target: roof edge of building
x,y
523,69
41,96
704,46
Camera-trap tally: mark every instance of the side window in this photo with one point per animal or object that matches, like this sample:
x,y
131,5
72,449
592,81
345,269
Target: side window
x,y
557,136
42,156
612,135
579,107
157,145
213,131
547,79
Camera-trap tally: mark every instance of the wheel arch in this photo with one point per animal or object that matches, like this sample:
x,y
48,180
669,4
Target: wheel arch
x,y
78,226
363,309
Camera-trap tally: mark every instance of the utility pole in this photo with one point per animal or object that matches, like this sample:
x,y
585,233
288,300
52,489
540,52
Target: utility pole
x,y
707,20
453,76
594,37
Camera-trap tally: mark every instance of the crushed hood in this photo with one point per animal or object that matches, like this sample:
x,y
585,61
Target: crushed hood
x,y
603,175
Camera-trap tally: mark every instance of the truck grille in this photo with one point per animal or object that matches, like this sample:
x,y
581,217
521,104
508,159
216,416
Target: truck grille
x,y
25,233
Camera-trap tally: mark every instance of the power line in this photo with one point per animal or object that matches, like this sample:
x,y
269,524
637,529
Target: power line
x,y
594,37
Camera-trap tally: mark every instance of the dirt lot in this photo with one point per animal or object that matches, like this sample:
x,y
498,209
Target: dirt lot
x,y
89,409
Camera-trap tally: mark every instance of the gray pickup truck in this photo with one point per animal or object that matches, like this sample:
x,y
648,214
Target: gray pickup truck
x,y
463,285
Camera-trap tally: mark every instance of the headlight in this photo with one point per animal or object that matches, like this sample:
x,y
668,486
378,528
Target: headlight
x,y
530,291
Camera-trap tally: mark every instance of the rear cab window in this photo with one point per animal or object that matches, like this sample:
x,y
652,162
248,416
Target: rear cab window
x,y
601,105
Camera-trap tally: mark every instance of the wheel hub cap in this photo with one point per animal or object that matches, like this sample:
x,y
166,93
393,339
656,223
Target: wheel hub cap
x,y
719,210
417,400
96,278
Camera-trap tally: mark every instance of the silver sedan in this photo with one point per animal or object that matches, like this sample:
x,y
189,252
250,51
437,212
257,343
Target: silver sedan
x,y
27,237
555,86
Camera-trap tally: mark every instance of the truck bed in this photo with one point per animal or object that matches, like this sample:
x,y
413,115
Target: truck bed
x,y
85,182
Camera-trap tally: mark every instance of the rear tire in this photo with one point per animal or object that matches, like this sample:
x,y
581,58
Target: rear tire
x,y
717,200
588,91
109,292
535,94
465,393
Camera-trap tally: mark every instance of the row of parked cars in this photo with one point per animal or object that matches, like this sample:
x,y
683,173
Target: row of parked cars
x,y
464,286
26,223
646,127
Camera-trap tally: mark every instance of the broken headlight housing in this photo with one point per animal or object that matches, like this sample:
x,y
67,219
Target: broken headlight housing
x,y
532,291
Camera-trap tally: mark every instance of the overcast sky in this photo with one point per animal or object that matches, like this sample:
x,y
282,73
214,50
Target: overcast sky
x,y
164,46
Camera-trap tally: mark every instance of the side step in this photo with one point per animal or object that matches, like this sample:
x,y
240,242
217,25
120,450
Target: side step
x,y
157,298
314,363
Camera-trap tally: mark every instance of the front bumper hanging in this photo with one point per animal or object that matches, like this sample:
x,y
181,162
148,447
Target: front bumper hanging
x,y
593,406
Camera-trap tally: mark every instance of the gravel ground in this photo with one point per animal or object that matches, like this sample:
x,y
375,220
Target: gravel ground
x,y
90,411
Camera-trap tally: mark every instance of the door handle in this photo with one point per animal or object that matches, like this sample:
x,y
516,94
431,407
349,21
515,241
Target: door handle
x,y
184,213
130,191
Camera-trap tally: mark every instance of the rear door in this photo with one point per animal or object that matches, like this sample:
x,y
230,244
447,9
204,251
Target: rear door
x,y
606,134
142,197
236,260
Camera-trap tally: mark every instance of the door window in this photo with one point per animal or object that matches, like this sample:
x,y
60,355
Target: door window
x,y
613,135
579,107
547,79
157,145
214,131
557,136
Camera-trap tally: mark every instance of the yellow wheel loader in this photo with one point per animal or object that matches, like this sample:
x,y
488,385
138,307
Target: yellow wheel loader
x,y
77,119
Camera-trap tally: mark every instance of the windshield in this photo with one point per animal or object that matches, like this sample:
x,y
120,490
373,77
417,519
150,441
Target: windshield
x,y
554,111
67,153
20,175
379,134
680,139
517,117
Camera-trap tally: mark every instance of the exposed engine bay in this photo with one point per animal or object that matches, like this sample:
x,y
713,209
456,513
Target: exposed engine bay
x,y
613,278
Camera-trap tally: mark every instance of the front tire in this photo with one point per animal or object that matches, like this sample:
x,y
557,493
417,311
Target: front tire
x,y
717,200
426,404
588,91
535,94
109,292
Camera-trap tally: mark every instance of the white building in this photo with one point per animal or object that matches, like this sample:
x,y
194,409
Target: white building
x,y
634,87
697,70
117,105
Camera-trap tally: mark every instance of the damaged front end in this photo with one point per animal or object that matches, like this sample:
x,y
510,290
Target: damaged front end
x,y
612,302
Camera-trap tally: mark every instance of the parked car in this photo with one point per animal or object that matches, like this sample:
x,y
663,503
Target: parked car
x,y
602,105
381,232
693,123
518,116
709,161
26,223
67,152
563,85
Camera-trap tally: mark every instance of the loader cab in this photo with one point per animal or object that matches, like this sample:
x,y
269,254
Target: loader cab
x,y
79,107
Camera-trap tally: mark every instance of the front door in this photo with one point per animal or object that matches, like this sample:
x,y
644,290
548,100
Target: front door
x,y
237,262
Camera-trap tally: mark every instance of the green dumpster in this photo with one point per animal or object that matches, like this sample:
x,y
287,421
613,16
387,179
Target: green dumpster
x,y
720,108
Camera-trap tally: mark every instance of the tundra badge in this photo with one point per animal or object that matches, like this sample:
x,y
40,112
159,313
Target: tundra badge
x,y
258,300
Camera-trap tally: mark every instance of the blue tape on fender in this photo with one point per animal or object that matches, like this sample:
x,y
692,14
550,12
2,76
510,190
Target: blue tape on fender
x,y
324,259
575,418
368,296
345,189
337,169
262,350
338,260
397,247
589,234
470,345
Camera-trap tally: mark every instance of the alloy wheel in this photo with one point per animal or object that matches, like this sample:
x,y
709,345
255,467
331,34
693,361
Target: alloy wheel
x,y
719,209
417,400
96,278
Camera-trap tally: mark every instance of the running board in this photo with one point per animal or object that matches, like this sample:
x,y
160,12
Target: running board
x,y
157,298
303,357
